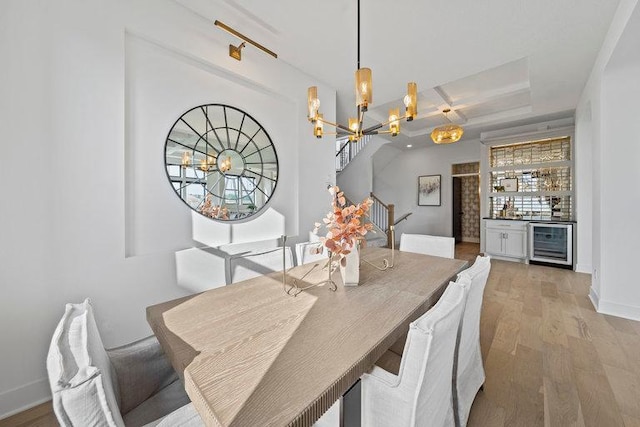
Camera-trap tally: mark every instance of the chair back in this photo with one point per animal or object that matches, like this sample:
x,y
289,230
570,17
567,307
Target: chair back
x,y
469,372
253,264
478,274
307,252
428,245
427,363
80,374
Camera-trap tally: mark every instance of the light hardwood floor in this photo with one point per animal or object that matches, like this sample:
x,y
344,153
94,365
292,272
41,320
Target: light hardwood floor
x,y
550,359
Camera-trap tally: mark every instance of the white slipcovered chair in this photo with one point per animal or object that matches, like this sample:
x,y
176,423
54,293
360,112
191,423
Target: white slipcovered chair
x,y
132,385
307,252
428,245
469,372
421,392
253,264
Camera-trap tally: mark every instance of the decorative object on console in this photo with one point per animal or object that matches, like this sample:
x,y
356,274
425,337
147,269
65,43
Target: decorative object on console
x,y
429,190
364,97
221,162
236,51
447,134
509,184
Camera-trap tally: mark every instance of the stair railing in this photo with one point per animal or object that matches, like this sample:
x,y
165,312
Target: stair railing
x,y
382,215
347,150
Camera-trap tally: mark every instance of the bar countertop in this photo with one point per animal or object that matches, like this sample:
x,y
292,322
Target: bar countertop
x,y
531,219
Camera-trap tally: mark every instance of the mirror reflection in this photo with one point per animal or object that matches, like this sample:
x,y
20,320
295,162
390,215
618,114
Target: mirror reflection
x,y
221,162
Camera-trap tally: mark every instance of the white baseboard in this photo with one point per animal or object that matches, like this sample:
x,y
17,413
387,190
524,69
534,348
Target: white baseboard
x,y
24,397
619,310
583,268
613,308
594,297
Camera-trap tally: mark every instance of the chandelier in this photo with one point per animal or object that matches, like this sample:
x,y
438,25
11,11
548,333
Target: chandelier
x,y
225,165
207,164
447,134
364,97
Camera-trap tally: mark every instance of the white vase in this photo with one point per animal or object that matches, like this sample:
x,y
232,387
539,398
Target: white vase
x,y
351,272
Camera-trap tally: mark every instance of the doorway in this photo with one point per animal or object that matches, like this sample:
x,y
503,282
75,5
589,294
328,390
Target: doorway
x,y
466,202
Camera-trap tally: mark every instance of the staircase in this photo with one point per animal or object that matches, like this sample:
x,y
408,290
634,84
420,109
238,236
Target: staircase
x,y
347,150
381,215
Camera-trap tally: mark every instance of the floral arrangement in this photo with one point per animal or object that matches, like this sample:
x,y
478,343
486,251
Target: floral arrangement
x,y
214,211
345,225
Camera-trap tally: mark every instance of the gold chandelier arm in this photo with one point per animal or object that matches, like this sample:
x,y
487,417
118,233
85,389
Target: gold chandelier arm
x,y
383,124
336,125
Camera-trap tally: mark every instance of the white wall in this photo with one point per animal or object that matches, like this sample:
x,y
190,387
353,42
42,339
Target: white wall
x,y
609,101
90,90
583,183
356,179
396,181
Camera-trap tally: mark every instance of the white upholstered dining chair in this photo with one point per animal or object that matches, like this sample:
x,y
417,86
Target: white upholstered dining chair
x,y
469,371
428,245
420,394
307,252
133,385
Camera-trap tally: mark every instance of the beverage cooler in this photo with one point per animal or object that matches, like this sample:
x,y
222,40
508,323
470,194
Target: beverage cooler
x,y
551,243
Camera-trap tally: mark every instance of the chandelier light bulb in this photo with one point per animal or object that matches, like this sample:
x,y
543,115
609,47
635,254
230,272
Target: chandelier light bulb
x,y
353,124
313,103
318,128
364,89
394,121
186,159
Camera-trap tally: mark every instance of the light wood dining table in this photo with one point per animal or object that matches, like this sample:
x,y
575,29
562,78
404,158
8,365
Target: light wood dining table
x,y
251,355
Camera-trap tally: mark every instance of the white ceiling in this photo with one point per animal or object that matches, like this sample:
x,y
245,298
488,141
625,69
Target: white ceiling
x,y
496,62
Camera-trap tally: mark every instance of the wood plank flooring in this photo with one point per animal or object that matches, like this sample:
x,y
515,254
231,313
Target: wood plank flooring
x,y
550,359
38,416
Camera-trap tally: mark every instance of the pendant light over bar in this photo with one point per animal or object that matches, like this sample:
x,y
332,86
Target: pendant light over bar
x,y
447,134
364,97
236,51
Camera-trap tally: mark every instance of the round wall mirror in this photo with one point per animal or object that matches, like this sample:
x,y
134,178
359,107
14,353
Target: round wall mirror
x,y
221,162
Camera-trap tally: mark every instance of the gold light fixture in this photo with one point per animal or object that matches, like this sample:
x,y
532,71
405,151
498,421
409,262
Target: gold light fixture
x,y
447,134
207,164
225,166
364,97
186,159
236,51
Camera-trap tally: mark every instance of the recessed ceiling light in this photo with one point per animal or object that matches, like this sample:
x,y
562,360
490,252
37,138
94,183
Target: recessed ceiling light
x,y
409,145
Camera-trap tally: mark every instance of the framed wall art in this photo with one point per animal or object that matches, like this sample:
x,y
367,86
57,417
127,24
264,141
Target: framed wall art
x,y
429,190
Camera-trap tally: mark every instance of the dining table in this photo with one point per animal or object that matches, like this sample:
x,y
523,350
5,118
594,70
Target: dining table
x,y
251,354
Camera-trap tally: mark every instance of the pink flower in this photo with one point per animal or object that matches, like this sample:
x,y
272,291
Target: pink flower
x,y
345,224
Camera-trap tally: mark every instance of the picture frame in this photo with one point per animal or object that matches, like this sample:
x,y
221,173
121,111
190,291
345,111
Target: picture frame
x,y
429,190
509,184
